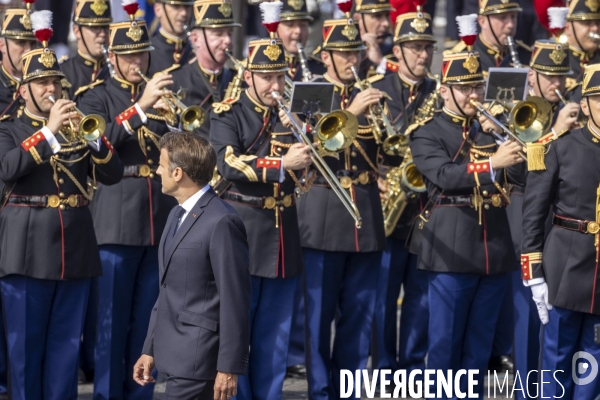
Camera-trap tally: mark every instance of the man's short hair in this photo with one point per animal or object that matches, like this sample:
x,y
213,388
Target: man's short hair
x,y
192,153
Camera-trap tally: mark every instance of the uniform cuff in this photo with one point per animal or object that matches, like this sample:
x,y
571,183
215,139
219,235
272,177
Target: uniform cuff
x,y
142,114
382,67
533,282
51,139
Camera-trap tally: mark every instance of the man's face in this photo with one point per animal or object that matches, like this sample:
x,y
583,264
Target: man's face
x,y
292,32
501,25
14,49
217,39
578,34
343,60
264,84
169,184
126,65
547,85
90,39
463,94
415,58
41,89
173,17
377,23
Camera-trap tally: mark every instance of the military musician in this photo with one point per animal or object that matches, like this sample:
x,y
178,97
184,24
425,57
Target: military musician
x,y
17,39
561,265
173,48
342,260
205,81
49,251
410,90
373,20
258,168
90,26
466,245
128,243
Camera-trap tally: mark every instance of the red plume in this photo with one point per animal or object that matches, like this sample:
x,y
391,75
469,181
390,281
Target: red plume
x,y
345,6
541,9
28,1
130,7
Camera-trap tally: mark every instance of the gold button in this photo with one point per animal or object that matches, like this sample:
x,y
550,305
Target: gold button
x,y
485,192
148,148
353,154
151,175
282,208
486,206
61,195
282,193
354,168
150,162
279,149
476,155
62,207
61,181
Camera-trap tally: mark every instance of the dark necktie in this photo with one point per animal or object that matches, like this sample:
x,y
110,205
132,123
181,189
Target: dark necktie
x,y
179,211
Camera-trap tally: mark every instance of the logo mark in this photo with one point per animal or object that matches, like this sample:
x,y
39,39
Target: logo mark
x,y
581,368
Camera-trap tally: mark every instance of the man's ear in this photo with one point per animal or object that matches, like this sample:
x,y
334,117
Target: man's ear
x,y
158,9
397,52
76,31
24,92
584,107
248,78
481,20
445,92
326,58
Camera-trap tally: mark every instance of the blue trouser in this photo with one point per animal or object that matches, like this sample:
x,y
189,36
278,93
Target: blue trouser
x,y
44,320
127,292
298,333
399,268
503,337
90,325
567,333
463,312
270,323
527,333
3,356
345,283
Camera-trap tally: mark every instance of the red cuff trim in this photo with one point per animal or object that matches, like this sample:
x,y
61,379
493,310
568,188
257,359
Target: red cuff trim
x,y
480,166
126,115
527,261
32,140
546,138
391,66
268,163
108,145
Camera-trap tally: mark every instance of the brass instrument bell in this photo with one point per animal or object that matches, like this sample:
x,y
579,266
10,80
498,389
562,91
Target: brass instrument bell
x,y
337,130
90,127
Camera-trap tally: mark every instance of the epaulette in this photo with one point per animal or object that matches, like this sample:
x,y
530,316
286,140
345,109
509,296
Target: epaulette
x,y
90,86
63,59
315,55
65,84
167,71
192,60
375,78
459,47
536,152
522,44
413,127
4,117
571,84
224,105
391,66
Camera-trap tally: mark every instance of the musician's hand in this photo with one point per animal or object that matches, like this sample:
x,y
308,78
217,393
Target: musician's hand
x,y
567,117
142,370
161,105
373,49
540,298
60,113
383,188
363,100
154,90
507,155
297,157
285,120
487,125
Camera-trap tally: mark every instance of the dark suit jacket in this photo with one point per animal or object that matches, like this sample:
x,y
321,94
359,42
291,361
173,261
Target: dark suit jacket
x,y
200,322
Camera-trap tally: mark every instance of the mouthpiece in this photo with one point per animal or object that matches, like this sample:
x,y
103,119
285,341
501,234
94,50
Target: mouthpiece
x,y
52,99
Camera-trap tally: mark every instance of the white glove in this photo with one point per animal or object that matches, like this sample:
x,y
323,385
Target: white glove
x,y
540,297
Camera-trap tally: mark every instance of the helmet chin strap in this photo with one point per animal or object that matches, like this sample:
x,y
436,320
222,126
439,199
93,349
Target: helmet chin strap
x,y
405,62
587,99
255,92
537,78
208,48
575,36
494,33
35,103
337,74
164,6
8,54
456,103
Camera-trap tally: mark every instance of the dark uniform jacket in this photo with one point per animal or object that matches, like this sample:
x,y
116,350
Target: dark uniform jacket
x,y
170,52
8,92
200,322
578,60
453,240
407,99
137,206
202,89
325,224
273,234
568,187
295,72
46,242
367,68
81,71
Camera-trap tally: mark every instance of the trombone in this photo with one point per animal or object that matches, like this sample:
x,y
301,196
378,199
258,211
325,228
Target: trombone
x,y
332,125
90,127
376,114
191,117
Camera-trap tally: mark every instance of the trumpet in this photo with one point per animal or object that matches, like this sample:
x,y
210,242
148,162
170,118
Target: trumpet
x,y
376,114
594,36
90,127
191,117
333,127
234,89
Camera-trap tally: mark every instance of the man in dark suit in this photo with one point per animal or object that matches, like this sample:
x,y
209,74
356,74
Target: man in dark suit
x,y
199,329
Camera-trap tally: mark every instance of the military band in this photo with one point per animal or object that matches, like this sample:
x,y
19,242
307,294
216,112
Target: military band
x,y
423,191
